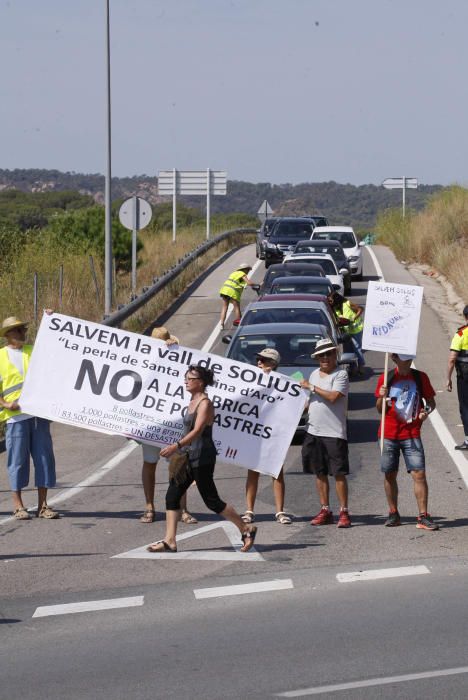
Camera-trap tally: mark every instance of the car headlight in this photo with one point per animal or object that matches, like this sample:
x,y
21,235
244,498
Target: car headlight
x,y
270,246
353,258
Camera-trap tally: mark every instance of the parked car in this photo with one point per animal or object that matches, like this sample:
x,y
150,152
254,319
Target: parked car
x,y
263,235
333,248
299,284
327,263
346,236
287,270
286,232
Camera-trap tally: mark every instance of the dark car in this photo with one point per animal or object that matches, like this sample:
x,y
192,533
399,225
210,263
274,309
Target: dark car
x,y
286,232
289,269
274,311
263,235
333,248
301,285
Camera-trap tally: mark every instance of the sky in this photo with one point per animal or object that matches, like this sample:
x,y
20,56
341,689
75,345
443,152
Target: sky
x,y
279,91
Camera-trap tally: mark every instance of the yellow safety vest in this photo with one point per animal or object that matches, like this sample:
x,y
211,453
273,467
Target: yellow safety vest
x,y
12,379
234,285
357,323
460,344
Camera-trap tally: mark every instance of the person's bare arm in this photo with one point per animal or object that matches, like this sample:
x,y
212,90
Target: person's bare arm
x,y
205,416
382,396
330,396
450,367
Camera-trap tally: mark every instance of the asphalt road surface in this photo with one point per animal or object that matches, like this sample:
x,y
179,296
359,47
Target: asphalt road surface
x,y
368,612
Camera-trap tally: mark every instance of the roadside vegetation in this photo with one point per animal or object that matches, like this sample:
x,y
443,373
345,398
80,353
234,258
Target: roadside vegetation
x,y
436,236
66,241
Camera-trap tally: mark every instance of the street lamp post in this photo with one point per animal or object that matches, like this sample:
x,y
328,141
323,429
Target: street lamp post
x,y
107,194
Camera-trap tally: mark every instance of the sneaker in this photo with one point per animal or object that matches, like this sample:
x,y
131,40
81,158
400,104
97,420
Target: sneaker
x,y
344,520
425,522
393,519
324,517
463,446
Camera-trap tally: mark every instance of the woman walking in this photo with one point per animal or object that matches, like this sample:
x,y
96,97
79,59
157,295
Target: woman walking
x,y
197,443
231,292
268,359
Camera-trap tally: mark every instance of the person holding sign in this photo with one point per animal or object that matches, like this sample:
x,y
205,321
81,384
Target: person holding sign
x,y
151,457
325,447
268,359
25,436
458,359
409,398
195,454
231,292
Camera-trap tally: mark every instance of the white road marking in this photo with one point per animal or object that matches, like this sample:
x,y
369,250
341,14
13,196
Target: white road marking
x,y
204,555
89,481
373,574
243,588
217,329
89,606
435,418
372,682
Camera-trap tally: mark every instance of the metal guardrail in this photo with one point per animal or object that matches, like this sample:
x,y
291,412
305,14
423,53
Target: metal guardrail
x,y
159,283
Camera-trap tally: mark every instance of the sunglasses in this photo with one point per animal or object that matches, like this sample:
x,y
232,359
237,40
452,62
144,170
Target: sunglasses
x,y
329,353
190,379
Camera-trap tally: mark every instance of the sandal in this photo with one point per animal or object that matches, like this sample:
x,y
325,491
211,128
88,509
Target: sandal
x,y
248,538
48,513
161,546
283,518
21,514
188,518
149,516
248,517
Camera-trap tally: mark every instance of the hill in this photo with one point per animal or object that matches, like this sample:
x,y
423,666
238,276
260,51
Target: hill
x,y
343,204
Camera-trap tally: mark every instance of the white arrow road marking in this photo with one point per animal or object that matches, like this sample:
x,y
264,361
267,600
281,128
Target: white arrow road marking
x,y
89,606
373,574
205,555
243,588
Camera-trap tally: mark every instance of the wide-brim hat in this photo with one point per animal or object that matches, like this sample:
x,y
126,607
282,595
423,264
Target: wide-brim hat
x,y
10,323
322,346
244,266
270,354
161,333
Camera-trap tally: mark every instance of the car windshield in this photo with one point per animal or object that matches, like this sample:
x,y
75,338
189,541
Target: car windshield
x,y
298,288
268,226
283,315
271,274
335,251
327,265
345,238
295,349
292,229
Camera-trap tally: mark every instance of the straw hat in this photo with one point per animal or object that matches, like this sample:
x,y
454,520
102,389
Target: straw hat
x,y
10,323
161,333
322,346
244,266
270,354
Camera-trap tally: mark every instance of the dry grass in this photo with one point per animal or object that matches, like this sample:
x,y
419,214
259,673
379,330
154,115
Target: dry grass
x,y
437,236
79,293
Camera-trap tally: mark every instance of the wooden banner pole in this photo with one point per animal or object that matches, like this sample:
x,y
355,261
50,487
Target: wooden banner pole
x,y
384,405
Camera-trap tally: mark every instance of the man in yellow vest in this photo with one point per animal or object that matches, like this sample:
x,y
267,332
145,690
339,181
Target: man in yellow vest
x,y
351,317
458,359
25,436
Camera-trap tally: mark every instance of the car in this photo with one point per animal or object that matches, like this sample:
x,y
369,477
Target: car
x,y
286,270
332,248
263,235
299,284
326,262
295,343
351,246
286,232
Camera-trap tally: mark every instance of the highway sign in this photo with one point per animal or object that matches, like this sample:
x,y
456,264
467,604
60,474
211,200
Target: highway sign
x,y
397,183
265,211
135,213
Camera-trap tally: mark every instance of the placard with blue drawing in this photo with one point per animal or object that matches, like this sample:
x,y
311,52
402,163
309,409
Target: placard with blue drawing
x,y
391,321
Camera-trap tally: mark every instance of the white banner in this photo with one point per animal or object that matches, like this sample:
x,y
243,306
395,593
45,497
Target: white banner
x,y
114,381
391,322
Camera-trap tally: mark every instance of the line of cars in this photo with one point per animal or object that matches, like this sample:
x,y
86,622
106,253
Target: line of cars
x,y
293,311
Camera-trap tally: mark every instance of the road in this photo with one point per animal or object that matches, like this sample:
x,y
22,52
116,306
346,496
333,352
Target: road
x,y
294,625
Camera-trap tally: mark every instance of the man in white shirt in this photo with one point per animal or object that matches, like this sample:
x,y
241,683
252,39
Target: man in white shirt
x,y
25,436
325,447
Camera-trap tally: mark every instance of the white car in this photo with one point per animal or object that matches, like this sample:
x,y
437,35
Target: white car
x,y
346,236
327,264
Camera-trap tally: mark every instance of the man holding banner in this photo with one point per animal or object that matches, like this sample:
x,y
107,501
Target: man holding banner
x,y
409,399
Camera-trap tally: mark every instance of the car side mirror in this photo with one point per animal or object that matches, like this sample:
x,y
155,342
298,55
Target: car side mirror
x,y
343,271
361,244
226,339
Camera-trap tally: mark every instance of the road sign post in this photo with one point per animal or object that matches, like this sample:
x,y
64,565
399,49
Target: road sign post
x,y
401,183
189,183
135,213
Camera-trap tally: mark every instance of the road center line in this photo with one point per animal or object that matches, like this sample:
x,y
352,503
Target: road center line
x,y
89,606
243,588
372,682
374,574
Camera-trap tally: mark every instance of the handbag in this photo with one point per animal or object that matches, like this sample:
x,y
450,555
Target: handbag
x,y
179,467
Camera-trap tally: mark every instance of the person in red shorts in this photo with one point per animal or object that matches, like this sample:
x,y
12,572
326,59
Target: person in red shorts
x,y
410,398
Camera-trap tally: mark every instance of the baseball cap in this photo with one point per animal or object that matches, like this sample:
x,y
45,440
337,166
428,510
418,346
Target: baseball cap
x,y
270,354
404,358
